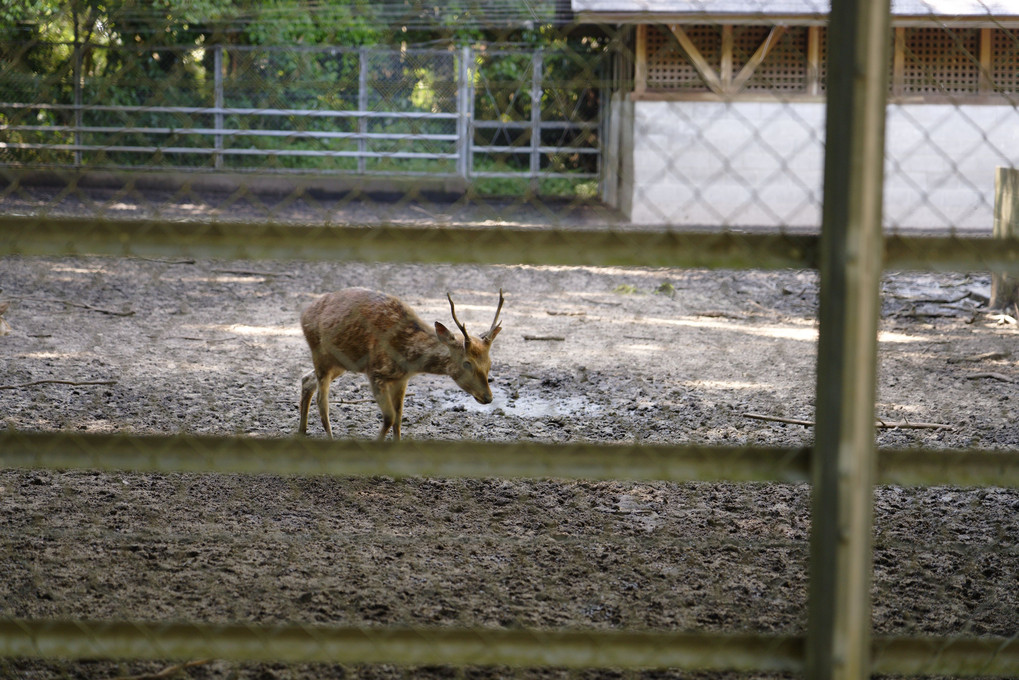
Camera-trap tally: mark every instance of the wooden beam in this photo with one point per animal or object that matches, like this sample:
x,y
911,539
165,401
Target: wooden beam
x,y
705,69
813,60
899,63
986,59
725,70
747,72
838,626
640,61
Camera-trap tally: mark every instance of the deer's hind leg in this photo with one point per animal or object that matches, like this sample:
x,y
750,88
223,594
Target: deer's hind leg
x,y
397,393
385,393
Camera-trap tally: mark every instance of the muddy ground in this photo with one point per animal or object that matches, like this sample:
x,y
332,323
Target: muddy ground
x,y
586,354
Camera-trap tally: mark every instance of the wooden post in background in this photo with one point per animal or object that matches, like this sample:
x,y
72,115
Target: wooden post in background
x,y
640,62
1005,287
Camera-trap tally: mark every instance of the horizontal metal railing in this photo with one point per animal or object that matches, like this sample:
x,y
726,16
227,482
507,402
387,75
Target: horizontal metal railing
x,y
381,242
455,139
634,462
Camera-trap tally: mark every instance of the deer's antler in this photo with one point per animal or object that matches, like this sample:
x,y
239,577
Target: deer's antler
x,y
495,321
452,310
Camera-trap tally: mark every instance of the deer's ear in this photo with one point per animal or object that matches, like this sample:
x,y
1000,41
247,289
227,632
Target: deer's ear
x,y
489,336
445,336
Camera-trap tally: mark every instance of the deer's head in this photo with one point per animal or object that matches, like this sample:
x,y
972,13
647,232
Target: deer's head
x,y
469,358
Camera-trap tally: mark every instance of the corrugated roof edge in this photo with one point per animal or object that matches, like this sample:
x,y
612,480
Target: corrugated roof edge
x,y
975,13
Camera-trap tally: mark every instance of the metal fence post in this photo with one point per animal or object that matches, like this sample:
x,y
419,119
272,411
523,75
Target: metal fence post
x,y
78,115
838,630
362,110
535,167
464,96
218,99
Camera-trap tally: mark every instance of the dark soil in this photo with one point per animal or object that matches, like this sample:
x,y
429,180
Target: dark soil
x,y
662,356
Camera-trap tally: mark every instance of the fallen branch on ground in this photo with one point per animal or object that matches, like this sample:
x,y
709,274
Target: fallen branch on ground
x,y
553,338
166,672
155,259
75,383
718,314
600,302
82,305
987,356
880,424
249,272
992,376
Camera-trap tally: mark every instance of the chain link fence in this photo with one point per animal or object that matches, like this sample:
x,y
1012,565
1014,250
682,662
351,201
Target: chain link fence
x,y
635,494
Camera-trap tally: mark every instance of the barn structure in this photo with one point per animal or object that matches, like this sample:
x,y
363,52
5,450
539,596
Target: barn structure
x,y
719,118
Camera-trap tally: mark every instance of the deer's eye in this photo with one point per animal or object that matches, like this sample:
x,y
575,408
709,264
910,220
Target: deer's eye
x,y
467,366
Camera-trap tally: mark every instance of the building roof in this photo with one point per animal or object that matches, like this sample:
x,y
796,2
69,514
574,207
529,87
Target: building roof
x,y
904,12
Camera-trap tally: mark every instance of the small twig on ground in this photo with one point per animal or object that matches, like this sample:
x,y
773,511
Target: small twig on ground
x,y
914,314
551,338
551,313
932,301
249,272
716,314
992,376
600,302
882,424
907,425
986,356
166,672
75,383
640,337
779,419
82,305
156,259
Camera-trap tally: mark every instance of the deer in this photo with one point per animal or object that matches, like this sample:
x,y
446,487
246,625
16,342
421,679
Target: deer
x,y
377,334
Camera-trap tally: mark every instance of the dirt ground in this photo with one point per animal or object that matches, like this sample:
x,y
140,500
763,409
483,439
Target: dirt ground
x,y
586,354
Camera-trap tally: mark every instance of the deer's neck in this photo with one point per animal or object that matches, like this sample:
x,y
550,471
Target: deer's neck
x,y
427,355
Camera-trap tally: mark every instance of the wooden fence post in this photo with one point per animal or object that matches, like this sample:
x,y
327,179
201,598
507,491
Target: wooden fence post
x,y
843,465
1005,287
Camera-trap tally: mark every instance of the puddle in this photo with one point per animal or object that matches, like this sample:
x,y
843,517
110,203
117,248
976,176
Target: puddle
x,y
526,406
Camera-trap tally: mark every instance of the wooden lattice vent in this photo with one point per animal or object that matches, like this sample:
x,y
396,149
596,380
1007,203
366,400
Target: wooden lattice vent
x,y
784,69
1005,61
929,63
941,61
668,69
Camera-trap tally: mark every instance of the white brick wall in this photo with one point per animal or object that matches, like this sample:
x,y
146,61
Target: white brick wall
x,y
756,163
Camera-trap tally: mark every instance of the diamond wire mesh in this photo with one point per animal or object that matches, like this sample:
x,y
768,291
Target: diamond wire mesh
x,y
176,343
